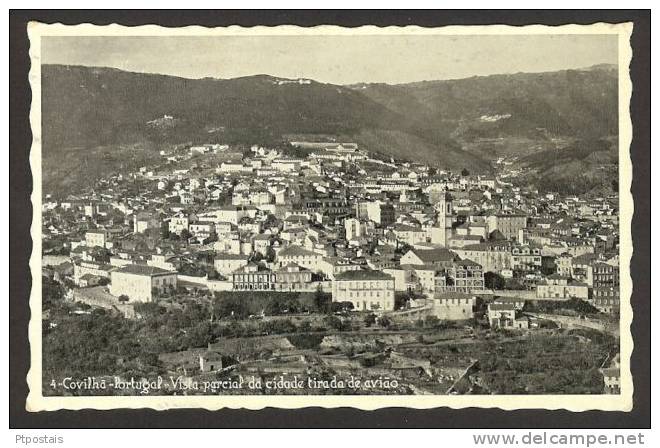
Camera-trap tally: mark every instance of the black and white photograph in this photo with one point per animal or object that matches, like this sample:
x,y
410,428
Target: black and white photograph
x,y
367,217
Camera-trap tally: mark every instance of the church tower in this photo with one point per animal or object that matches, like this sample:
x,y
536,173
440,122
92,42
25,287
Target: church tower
x,y
441,233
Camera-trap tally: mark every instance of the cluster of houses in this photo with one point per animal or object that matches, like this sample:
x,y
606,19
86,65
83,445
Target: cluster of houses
x,y
338,221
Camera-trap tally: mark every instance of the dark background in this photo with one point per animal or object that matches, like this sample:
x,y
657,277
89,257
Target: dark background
x,y
21,218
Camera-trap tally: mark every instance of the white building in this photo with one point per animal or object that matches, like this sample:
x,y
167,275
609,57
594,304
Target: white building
x,y
180,222
366,290
300,256
96,238
139,281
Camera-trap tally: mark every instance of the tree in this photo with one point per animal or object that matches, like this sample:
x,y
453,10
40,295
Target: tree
x,y
305,326
271,221
52,292
402,299
384,321
465,172
335,323
321,300
270,255
493,280
431,321
341,307
185,235
103,281
148,309
165,230
615,184
123,298
514,283
369,319
231,307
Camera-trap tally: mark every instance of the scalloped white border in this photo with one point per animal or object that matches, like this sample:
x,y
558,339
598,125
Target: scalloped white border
x,y
623,402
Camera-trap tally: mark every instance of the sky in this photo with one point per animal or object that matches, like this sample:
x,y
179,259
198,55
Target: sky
x,y
335,59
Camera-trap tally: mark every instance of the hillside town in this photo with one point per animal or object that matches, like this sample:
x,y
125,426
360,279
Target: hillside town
x,y
386,243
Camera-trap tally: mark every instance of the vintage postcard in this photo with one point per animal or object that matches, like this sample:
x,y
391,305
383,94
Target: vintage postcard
x,y
363,217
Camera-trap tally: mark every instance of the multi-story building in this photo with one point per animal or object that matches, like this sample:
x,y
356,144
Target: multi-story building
x,y
582,268
382,213
300,256
82,268
409,234
261,243
419,278
509,225
492,257
564,264
559,287
526,258
405,278
438,258
256,197
366,290
293,278
180,222
606,290
186,198
253,277
96,238
331,206
202,229
356,228
467,276
139,282
454,306
333,266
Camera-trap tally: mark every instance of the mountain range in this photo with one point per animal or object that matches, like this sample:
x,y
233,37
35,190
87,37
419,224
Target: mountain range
x,y
452,124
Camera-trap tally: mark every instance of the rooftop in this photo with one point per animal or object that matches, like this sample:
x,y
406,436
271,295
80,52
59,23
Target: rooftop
x,y
142,269
227,256
293,251
433,255
467,262
364,275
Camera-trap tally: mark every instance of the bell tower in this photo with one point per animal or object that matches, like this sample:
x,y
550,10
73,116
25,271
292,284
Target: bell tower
x,y
442,231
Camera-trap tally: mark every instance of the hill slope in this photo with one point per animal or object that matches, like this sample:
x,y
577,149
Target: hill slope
x,y
570,103
96,115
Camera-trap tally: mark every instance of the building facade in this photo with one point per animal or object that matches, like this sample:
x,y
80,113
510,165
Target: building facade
x,y
140,282
454,306
606,290
366,290
253,277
